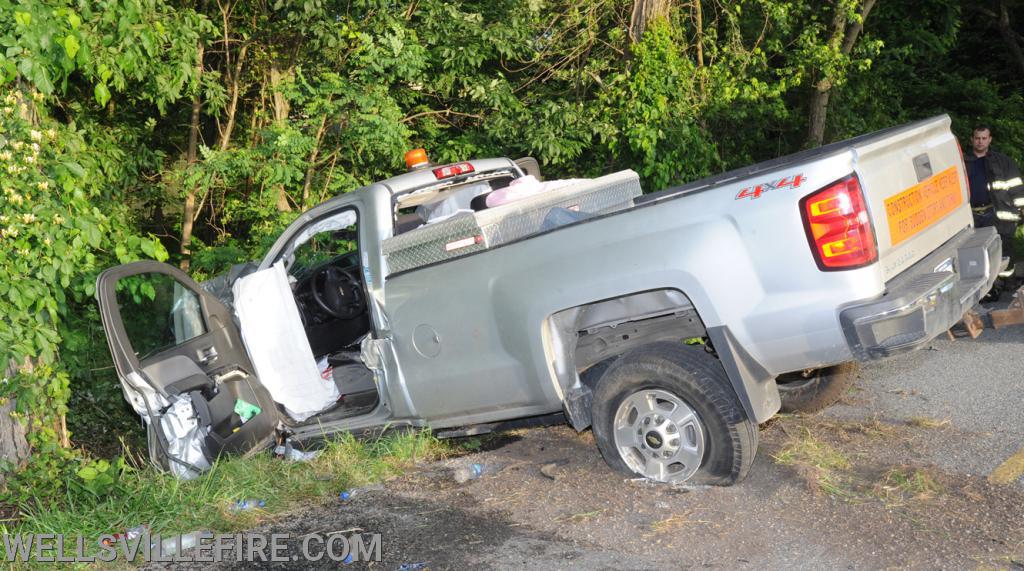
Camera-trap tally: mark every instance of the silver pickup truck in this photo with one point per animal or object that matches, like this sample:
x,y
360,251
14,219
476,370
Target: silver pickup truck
x,y
671,323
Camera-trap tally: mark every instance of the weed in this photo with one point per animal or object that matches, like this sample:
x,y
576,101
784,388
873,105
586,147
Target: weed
x,y
676,522
926,422
904,483
819,464
582,517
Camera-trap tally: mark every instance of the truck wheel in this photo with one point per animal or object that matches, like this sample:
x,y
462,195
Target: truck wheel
x,y
667,412
815,389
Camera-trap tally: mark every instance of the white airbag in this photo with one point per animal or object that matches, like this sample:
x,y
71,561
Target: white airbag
x,y
277,344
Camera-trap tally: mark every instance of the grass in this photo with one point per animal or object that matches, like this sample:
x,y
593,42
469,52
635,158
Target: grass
x,y
904,483
825,467
927,422
676,522
822,466
171,506
581,517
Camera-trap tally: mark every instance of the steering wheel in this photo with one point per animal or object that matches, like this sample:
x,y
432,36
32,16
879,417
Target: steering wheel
x,y
338,292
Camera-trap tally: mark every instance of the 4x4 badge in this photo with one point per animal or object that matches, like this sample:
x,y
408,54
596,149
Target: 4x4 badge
x,y
784,182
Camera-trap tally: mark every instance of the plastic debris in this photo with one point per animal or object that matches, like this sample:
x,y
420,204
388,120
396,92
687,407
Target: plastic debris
x,y
171,545
349,494
128,534
473,471
246,410
412,566
249,504
347,560
288,452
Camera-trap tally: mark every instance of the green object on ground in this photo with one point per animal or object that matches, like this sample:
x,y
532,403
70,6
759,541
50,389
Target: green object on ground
x,y
246,410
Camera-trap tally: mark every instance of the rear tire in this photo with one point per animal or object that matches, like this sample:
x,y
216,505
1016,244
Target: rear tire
x,y
697,429
818,389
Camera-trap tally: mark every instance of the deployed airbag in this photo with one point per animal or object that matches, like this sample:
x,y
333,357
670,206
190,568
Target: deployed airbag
x,y
277,345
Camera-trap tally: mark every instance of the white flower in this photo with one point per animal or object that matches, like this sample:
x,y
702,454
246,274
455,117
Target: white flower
x,y
28,218
43,185
5,155
16,198
30,159
58,219
35,135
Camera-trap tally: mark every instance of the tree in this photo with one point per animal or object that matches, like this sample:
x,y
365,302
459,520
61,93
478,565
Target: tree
x,y
847,25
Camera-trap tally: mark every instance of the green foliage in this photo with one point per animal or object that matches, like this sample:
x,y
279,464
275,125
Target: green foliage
x,y
108,497
55,239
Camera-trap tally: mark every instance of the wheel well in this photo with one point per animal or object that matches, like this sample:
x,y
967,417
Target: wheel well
x,y
585,340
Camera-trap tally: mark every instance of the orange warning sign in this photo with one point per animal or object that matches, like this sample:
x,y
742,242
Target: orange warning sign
x,y
921,205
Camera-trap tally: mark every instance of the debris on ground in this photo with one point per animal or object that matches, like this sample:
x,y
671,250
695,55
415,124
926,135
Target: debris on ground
x,y
552,470
128,534
288,452
463,474
349,494
248,504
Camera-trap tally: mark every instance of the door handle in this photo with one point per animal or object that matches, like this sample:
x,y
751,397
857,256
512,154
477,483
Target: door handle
x,y
207,355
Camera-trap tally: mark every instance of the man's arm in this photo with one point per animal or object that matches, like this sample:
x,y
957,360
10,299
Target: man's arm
x,y
1012,183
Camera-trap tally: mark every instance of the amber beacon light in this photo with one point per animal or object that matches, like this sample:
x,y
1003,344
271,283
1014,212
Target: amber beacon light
x,y
416,158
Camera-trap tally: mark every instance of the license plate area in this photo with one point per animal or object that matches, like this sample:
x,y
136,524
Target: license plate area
x,y
918,207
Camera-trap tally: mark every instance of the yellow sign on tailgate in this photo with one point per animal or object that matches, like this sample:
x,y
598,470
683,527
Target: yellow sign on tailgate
x,y
919,206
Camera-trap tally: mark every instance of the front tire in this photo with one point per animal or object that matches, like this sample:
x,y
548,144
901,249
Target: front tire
x,y
667,412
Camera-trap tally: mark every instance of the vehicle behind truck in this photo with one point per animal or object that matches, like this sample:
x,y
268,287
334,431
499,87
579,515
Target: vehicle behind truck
x,y
473,296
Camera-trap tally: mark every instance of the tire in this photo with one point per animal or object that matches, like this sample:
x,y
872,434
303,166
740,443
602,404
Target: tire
x,y
716,444
817,390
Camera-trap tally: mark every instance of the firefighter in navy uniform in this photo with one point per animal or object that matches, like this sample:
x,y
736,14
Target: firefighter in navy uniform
x,y
997,192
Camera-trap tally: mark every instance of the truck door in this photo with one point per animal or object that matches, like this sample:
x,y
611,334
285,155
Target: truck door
x,y
182,366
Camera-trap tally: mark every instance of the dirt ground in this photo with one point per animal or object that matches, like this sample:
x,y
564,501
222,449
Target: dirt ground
x,y
894,476
823,493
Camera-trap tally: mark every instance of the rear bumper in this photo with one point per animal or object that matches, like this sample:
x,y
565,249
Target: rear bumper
x,y
926,299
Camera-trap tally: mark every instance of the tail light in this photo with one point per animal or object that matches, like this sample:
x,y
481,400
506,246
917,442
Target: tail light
x,y
838,226
453,170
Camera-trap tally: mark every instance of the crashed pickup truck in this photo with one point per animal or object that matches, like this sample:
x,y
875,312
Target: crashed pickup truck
x,y
470,296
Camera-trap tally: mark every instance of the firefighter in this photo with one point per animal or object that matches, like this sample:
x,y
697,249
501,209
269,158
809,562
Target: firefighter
x,y
997,192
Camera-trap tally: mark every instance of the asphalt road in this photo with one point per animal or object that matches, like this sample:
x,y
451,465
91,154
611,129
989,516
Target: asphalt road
x,y
975,385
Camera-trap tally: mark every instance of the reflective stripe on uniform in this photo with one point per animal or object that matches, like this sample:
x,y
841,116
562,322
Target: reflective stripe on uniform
x,y
1006,184
1019,201
1007,215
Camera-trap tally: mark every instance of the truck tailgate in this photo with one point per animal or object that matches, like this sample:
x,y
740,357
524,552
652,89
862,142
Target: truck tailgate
x,y
916,189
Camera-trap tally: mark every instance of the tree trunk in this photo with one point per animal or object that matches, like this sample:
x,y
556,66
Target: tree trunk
x,y
844,36
1009,37
188,216
225,136
14,448
281,109
698,18
311,169
643,12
